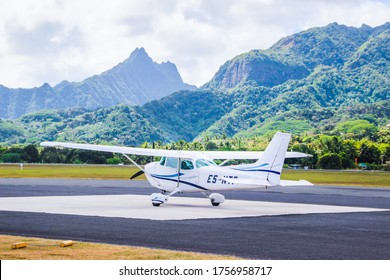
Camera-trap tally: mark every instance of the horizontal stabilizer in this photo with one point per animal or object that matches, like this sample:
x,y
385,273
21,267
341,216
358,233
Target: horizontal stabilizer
x,y
285,183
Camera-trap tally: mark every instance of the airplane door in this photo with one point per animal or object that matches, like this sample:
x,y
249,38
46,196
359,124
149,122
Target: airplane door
x,y
166,172
175,172
188,179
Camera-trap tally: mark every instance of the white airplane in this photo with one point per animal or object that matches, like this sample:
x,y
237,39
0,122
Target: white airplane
x,y
196,171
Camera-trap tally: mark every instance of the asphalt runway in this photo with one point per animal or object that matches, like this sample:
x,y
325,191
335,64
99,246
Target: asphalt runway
x,y
308,222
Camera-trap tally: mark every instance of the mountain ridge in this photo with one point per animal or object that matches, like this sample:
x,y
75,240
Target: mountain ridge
x,y
134,81
294,56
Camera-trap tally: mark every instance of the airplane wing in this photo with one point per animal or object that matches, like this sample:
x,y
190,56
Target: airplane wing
x,y
243,154
117,149
168,153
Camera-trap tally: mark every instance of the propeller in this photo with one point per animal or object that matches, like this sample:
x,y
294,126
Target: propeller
x,y
137,174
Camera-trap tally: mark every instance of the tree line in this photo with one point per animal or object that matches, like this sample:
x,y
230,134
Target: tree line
x,y
328,151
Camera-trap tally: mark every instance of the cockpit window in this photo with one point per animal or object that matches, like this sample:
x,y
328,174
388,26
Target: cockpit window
x,y
172,162
201,163
187,164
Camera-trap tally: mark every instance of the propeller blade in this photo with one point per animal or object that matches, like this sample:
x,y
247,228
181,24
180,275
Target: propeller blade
x,y
137,174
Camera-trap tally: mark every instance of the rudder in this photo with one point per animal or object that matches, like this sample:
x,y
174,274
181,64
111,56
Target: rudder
x,y
273,157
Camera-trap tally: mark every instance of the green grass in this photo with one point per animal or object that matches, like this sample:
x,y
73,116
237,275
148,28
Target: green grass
x,y
347,178
68,171
343,178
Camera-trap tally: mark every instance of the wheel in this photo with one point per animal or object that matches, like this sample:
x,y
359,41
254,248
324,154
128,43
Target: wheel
x,y
156,204
216,199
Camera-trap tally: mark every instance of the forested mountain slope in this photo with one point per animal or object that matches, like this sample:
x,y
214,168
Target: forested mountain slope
x,y
305,83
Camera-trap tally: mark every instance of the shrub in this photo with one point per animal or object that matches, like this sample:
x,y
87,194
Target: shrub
x,y
330,161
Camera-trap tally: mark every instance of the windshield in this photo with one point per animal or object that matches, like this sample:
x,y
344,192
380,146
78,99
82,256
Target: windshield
x,y
172,162
202,163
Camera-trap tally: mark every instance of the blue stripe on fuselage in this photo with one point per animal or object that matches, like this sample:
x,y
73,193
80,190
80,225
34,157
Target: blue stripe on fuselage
x,y
180,181
169,176
259,170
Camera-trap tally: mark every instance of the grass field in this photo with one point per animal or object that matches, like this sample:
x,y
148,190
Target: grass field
x,y
68,171
340,178
47,249
346,178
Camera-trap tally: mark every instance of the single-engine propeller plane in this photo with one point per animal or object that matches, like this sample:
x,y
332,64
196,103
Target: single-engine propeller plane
x,y
196,171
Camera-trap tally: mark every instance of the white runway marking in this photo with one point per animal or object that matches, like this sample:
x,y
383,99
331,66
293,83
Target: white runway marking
x,y
177,208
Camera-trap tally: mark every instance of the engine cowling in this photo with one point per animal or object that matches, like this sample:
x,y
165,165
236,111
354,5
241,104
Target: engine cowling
x,y
158,199
216,199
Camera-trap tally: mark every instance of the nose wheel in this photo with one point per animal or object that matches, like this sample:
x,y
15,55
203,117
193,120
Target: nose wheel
x,y
158,199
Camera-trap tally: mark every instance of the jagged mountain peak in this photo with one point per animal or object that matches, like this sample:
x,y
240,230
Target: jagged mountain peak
x,y
135,81
139,54
142,66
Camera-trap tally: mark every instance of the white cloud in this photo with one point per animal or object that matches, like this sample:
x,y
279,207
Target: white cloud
x,y
52,40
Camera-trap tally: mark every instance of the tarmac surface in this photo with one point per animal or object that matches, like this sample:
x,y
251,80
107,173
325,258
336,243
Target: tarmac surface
x,y
310,222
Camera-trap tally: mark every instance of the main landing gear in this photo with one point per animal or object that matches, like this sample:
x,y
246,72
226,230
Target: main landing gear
x,y
216,199
159,198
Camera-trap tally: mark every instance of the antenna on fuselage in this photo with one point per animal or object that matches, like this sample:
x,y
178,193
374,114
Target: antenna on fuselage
x,y
153,146
178,172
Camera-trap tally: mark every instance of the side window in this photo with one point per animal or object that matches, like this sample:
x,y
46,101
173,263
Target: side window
x,y
172,162
162,161
187,164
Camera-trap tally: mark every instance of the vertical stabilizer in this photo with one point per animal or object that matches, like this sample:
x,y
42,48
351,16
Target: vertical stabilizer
x,y
273,157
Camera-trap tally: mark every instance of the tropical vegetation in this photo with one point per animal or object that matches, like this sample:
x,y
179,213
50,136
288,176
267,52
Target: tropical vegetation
x,y
328,86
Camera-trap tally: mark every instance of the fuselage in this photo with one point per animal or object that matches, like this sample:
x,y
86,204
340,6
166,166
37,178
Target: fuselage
x,y
196,175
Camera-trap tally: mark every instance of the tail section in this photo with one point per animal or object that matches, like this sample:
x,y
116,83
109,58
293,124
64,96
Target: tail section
x,y
272,160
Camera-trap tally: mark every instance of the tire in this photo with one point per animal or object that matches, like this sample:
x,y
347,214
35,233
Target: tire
x,y
215,204
156,204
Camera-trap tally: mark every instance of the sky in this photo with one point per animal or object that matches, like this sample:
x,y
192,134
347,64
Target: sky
x,y
55,40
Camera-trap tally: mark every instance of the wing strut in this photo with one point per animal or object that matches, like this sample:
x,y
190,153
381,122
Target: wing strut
x,y
140,167
140,172
133,162
224,162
